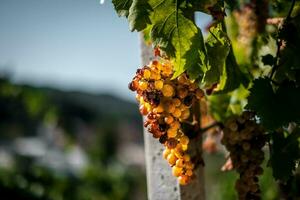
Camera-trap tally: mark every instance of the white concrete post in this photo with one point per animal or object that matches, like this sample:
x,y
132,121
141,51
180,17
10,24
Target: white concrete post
x,y
161,185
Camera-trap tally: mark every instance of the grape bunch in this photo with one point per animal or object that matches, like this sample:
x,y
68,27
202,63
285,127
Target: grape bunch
x,y
244,139
167,104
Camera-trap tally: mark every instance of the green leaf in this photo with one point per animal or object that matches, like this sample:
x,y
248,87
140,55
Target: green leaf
x,y
274,109
179,37
261,100
232,4
171,29
146,33
203,5
217,46
284,154
268,59
288,98
238,100
196,58
122,7
232,77
223,66
219,106
222,106
289,61
139,13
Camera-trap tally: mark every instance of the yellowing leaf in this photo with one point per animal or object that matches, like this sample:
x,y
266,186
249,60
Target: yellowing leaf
x,y
179,37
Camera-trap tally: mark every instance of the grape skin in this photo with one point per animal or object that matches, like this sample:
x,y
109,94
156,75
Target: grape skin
x,y
244,139
166,102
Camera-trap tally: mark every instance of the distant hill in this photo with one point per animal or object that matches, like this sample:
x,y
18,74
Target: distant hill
x,y
97,103
72,106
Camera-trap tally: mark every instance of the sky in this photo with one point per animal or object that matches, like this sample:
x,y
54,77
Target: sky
x,y
68,44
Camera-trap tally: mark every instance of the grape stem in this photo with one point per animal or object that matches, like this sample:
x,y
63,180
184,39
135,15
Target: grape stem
x,y
291,10
275,65
203,130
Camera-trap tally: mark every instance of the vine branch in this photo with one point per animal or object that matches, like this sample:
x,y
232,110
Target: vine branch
x,y
279,42
291,10
215,124
203,130
275,65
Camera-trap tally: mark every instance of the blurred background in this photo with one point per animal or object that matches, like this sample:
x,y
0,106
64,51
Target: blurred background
x,y
69,127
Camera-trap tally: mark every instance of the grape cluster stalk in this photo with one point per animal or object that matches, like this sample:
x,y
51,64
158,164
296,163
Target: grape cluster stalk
x,y
244,139
166,103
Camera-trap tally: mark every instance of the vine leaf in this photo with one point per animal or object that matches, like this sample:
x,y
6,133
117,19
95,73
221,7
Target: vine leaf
x,y
232,4
223,66
196,62
219,106
139,15
261,100
202,5
171,30
289,62
179,37
217,46
146,34
268,59
232,77
225,105
122,7
275,109
285,152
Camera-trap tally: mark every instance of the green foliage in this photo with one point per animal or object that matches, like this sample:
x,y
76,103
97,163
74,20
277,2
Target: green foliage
x,y
179,37
261,100
291,186
281,7
284,154
218,47
289,64
139,15
171,30
122,7
267,103
219,106
202,5
268,59
232,4
25,177
232,76
96,182
225,105
269,186
223,65
239,68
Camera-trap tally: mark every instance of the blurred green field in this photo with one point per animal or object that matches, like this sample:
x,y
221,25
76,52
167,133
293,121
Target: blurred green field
x,y
61,145
68,145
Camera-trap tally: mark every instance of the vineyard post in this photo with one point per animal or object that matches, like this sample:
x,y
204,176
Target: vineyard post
x,y
161,184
